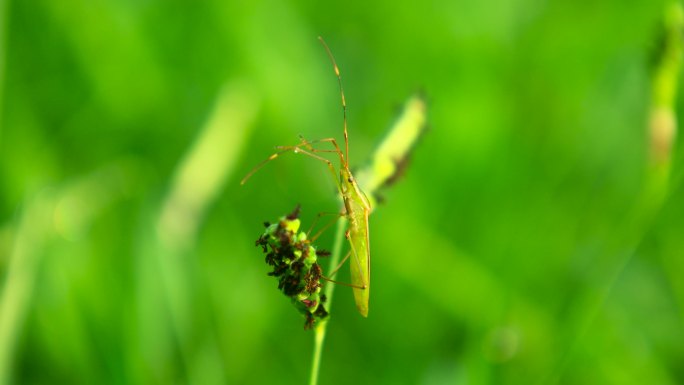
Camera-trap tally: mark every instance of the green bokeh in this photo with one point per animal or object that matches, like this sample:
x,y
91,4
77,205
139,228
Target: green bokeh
x,y
529,243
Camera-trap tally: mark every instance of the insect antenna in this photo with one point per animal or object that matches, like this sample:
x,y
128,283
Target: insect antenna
x,y
344,102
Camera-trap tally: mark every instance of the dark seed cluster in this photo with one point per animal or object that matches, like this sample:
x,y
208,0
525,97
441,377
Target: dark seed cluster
x,y
295,265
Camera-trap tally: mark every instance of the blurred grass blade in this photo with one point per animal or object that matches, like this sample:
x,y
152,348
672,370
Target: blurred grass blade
x,y
662,128
66,212
663,132
392,155
197,182
206,166
32,232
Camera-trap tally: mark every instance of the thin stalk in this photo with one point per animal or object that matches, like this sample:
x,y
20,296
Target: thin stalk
x,y
319,332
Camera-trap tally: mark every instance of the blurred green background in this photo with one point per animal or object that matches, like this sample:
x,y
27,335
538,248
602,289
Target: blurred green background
x,y
533,240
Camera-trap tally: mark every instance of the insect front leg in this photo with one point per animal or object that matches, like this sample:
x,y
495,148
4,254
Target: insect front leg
x,y
332,141
297,150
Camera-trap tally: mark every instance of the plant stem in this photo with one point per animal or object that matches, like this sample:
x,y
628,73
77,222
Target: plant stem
x,y
319,332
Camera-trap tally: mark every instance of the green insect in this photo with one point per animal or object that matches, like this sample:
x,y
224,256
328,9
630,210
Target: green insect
x,y
357,207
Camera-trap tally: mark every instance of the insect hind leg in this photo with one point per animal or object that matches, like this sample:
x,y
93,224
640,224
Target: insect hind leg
x,y
339,266
343,283
332,274
325,227
334,271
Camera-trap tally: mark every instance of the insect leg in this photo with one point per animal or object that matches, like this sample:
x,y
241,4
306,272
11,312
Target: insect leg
x,y
333,141
260,165
332,273
343,283
327,225
296,149
324,140
308,144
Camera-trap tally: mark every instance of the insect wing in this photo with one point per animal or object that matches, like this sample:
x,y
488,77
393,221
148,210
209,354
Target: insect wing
x,y
358,210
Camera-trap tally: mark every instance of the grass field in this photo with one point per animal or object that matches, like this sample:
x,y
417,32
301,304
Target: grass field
x,y
536,237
